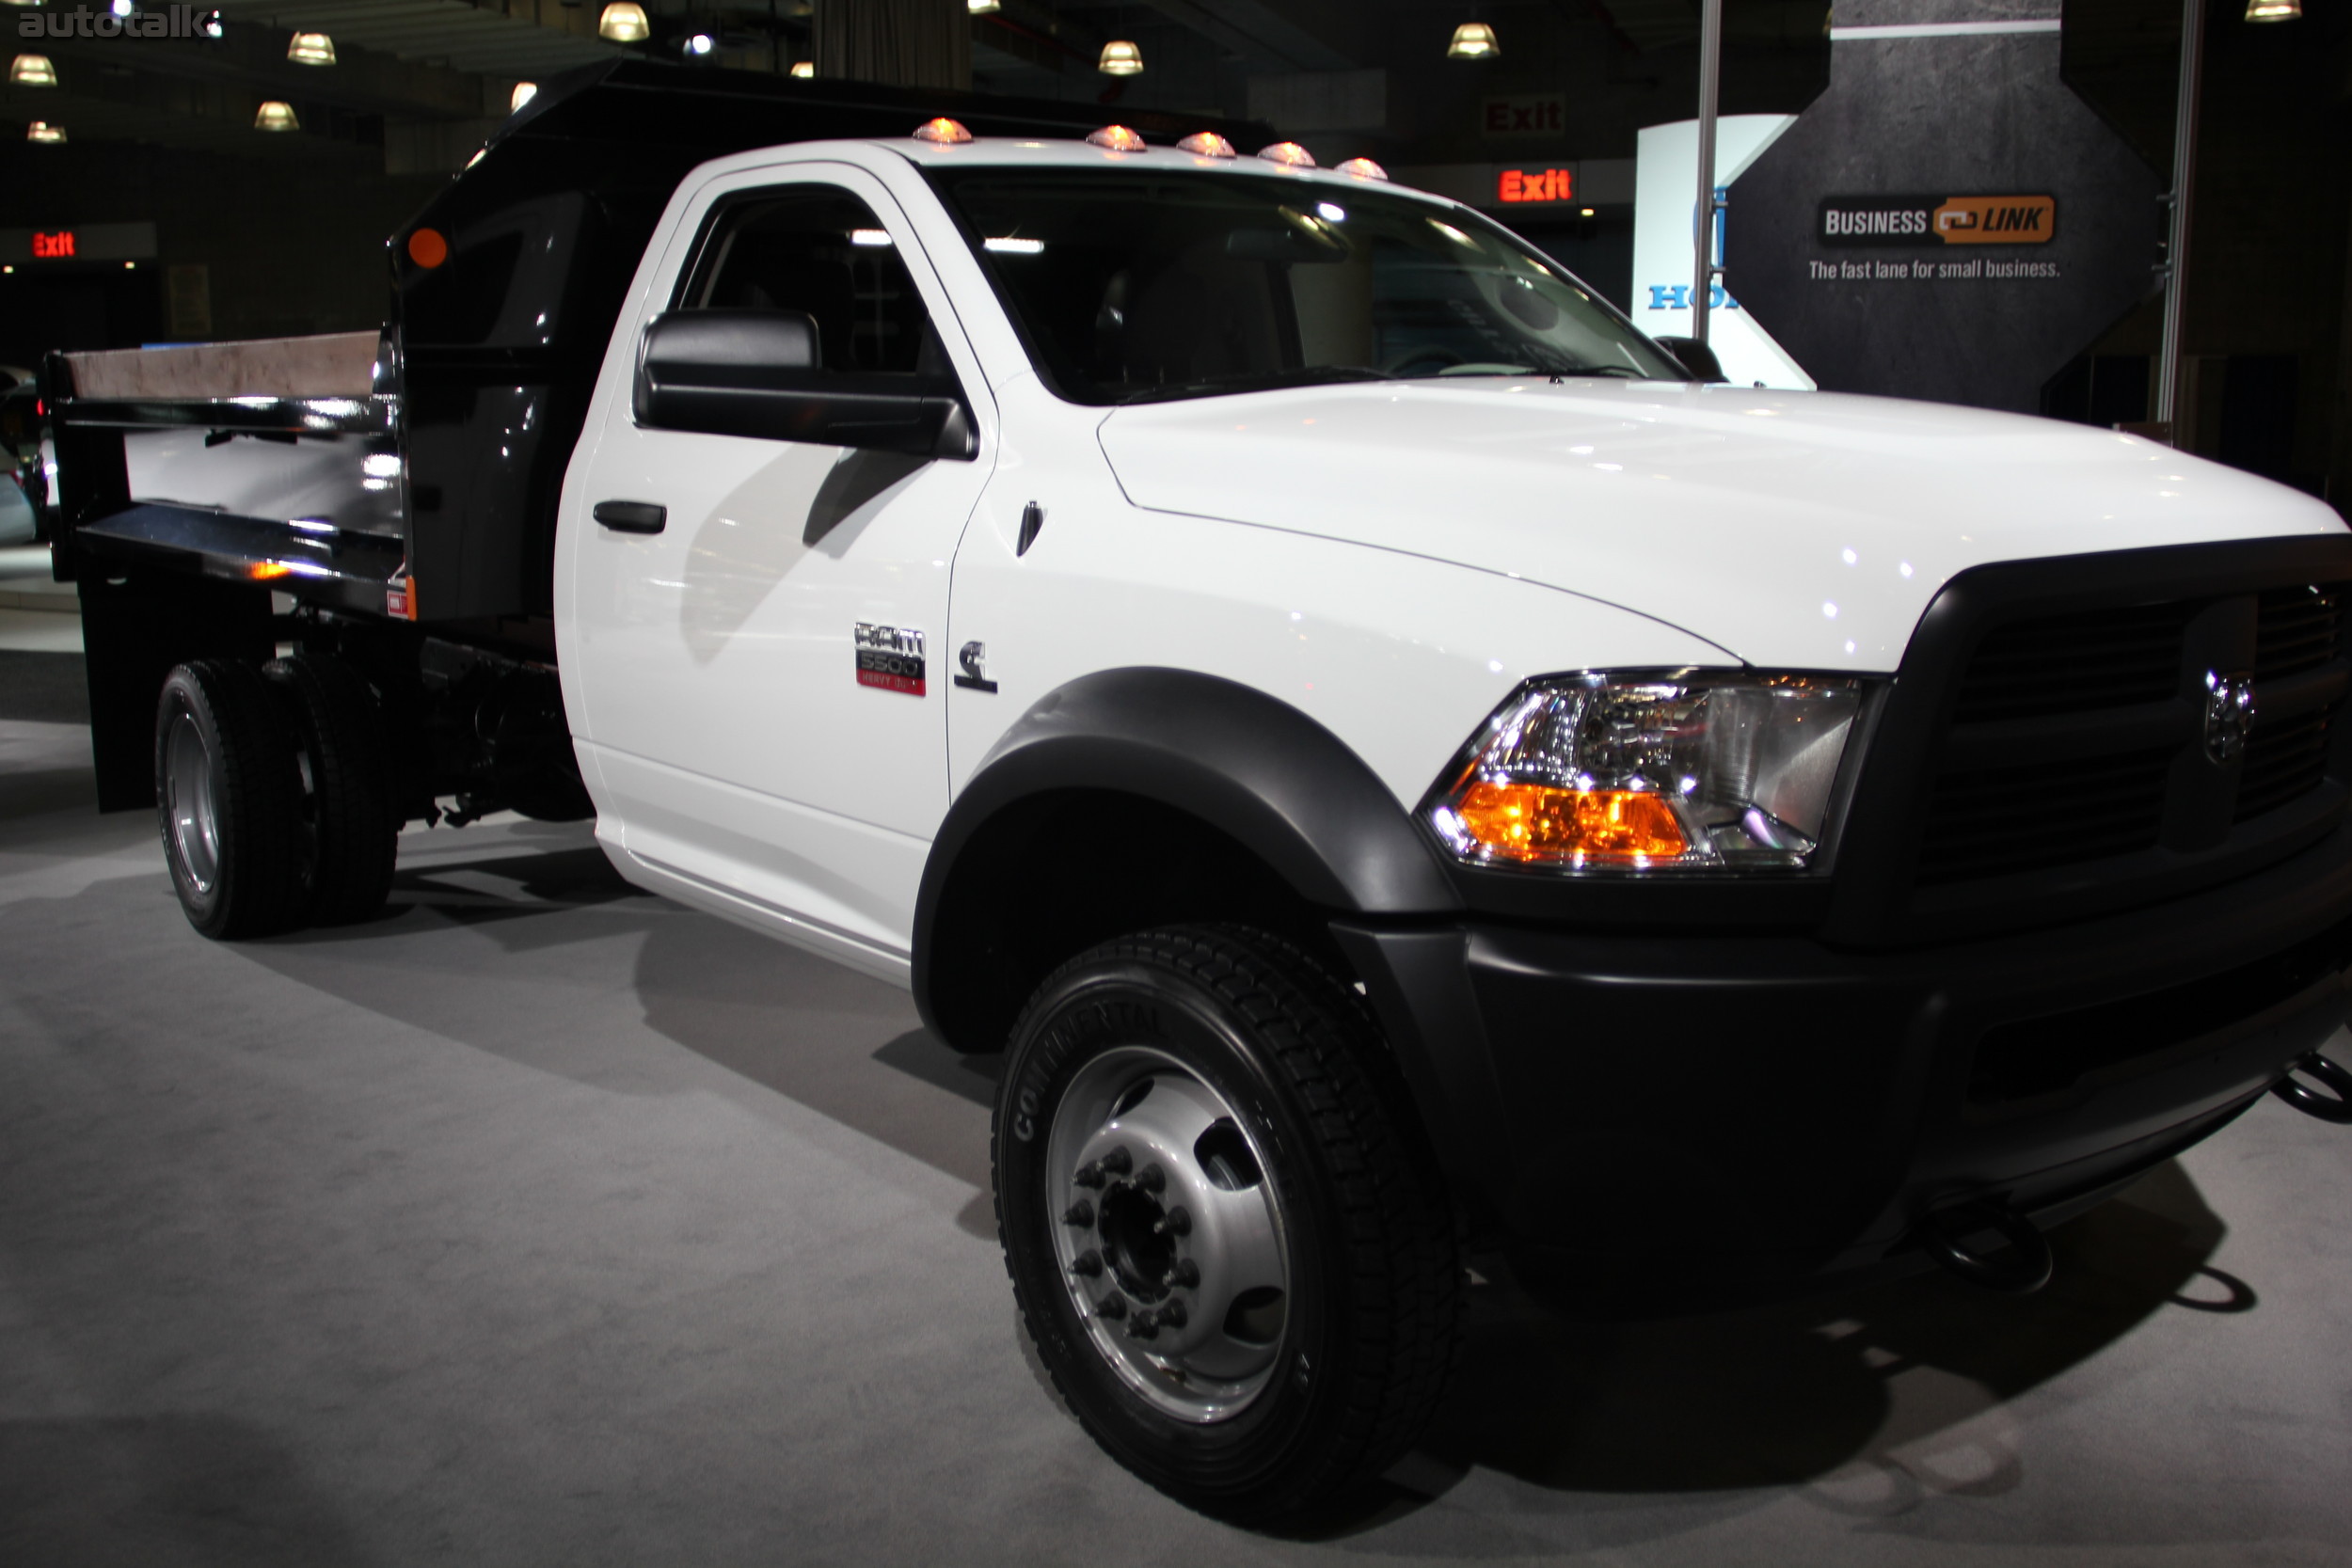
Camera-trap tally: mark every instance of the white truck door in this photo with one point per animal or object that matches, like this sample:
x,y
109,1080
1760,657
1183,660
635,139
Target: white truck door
x,y
763,679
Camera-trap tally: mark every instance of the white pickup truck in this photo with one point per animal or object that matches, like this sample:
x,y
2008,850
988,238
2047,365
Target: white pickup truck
x,y
1398,764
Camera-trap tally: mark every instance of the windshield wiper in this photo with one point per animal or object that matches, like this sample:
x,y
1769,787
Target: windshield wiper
x,y
1626,370
1316,376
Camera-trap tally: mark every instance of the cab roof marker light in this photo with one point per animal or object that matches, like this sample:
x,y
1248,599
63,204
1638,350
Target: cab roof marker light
x,y
941,131
1289,155
1118,139
1207,144
1363,168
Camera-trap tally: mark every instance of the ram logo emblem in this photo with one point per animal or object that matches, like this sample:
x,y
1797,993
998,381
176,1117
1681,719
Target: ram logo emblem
x,y
2229,714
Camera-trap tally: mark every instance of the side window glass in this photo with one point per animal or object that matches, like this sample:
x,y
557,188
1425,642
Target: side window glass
x,y
818,249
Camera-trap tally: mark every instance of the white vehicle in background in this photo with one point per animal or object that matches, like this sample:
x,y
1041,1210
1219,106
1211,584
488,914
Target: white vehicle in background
x,y
1399,764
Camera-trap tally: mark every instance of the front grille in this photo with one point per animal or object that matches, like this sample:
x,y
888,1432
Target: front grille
x,y
2296,629
1996,821
2284,762
2051,1055
2069,664
2067,733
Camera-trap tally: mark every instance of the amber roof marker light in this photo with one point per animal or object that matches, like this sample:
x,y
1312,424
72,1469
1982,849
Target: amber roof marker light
x,y
1362,168
1289,155
1118,138
943,131
1206,144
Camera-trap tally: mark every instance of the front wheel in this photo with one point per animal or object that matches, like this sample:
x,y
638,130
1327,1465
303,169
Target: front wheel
x,y
1226,1234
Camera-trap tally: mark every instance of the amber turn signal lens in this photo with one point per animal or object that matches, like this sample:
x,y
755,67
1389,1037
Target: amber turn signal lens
x,y
1538,822
427,248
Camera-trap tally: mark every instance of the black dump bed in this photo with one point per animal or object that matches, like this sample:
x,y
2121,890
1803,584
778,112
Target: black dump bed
x,y
463,416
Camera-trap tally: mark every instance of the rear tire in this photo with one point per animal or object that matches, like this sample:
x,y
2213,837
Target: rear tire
x,y
227,794
347,811
1264,1356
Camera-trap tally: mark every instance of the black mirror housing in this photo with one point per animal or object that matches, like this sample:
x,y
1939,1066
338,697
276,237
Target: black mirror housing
x,y
1694,358
760,373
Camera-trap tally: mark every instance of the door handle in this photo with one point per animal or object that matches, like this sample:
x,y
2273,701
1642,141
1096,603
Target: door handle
x,y
631,516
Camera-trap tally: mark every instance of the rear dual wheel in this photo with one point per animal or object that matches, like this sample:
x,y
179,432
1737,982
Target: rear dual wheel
x,y
1227,1238
272,795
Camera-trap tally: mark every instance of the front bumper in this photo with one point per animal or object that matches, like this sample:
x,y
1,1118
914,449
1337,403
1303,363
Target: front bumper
x,y
1673,1113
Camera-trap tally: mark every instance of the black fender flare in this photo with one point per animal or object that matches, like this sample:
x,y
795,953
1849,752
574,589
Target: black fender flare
x,y
1247,764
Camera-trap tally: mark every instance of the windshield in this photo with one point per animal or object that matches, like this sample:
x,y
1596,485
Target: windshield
x,y
1133,285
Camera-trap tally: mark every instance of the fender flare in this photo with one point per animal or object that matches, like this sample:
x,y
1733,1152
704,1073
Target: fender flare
x,y
1250,766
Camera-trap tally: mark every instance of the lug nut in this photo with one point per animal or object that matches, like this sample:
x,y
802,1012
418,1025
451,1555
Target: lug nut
x,y
1080,1214
1143,1325
1116,1162
1089,1263
1152,1178
1172,1315
1112,1306
1178,1222
1186,1274
1089,1176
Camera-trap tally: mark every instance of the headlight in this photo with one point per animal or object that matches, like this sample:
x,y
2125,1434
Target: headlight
x,y
1655,771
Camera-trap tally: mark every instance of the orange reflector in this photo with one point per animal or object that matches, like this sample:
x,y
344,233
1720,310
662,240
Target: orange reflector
x,y
1363,168
941,131
427,248
1288,153
1207,144
1538,822
1118,139
263,570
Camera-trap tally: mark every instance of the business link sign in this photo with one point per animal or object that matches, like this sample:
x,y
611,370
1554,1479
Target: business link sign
x,y
1909,222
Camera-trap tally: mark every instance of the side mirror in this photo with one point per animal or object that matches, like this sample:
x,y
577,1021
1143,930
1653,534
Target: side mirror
x,y
1695,357
758,372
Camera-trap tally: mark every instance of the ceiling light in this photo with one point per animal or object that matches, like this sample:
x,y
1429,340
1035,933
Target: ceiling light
x,y
624,21
1120,58
312,49
276,115
524,92
2274,10
124,8
701,43
41,131
804,70
33,70
1473,40
982,8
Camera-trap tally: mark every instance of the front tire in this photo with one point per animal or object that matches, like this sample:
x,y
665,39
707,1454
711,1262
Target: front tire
x,y
228,793
1227,1236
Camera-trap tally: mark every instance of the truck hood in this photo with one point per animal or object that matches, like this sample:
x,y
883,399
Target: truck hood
x,y
1793,530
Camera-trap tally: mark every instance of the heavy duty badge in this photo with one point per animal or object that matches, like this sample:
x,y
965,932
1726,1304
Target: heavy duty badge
x,y
890,657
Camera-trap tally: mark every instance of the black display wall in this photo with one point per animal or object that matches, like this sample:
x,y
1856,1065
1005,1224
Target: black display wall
x,y
1948,220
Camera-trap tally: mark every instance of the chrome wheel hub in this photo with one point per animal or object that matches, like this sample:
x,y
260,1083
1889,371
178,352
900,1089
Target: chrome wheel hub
x,y
190,807
1169,1233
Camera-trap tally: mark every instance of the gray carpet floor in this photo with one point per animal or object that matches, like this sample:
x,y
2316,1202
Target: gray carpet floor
x,y
544,1222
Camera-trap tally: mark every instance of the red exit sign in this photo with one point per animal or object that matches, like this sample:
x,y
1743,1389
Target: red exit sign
x,y
1535,184
56,245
